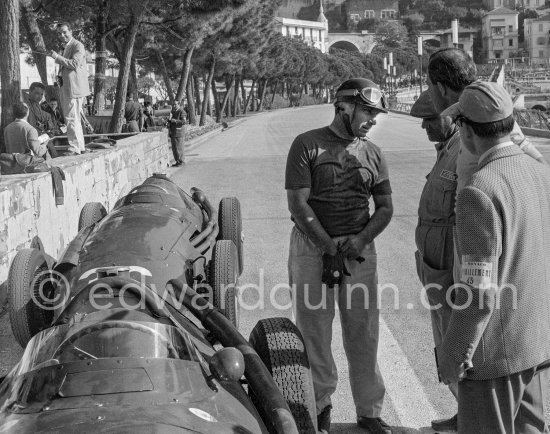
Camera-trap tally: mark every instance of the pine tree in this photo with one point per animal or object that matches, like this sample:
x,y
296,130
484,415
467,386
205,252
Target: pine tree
x,y
10,75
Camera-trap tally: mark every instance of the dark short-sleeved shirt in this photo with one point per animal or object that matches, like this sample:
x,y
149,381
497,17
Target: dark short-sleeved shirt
x,y
132,111
341,183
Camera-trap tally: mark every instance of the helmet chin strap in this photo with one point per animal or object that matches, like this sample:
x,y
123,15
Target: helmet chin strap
x,y
348,121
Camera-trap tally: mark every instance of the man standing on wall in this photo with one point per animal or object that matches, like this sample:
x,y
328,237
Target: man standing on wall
x,y
73,77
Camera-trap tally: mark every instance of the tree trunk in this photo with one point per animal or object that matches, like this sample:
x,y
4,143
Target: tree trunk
x,y
207,86
184,73
262,96
236,95
274,92
10,70
164,73
197,91
225,99
36,41
132,85
191,102
124,73
100,57
249,96
216,97
243,91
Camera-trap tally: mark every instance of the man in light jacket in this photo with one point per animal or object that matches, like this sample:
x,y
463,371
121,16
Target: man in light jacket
x,y
74,84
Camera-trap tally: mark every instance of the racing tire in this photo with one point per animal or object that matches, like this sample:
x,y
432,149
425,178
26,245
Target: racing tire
x,y
27,272
231,225
90,214
223,277
281,347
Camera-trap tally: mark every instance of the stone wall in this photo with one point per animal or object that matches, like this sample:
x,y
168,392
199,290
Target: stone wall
x,y
27,202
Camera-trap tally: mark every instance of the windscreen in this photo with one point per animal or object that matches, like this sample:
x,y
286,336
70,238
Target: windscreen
x,y
108,339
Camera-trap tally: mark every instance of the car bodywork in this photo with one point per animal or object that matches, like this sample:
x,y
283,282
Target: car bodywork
x,y
122,350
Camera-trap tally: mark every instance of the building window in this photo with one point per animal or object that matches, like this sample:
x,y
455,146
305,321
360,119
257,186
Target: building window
x,y
497,30
510,29
369,14
497,54
388,14
510,42
541,53
540,27
355,17
320,36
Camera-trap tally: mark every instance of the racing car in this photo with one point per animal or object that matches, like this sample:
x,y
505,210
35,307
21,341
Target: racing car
x,y
135,328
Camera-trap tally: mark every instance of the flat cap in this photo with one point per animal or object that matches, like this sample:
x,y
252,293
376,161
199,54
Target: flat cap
x,y
424,107
482,102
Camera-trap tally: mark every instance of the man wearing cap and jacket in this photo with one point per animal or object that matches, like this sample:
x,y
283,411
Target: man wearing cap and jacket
x,y
436,219
497,339
331,173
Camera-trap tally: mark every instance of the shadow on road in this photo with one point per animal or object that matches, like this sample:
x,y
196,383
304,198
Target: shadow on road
x,y
351,428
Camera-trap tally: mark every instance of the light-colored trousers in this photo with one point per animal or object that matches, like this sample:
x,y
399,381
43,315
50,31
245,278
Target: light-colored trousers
x,y
71,109
314,309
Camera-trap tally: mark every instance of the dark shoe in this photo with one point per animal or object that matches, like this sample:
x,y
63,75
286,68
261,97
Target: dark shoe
x,y
374,425
323,420
178,164
446,425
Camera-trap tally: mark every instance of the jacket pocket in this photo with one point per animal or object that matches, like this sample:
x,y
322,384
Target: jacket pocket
x,y
436,283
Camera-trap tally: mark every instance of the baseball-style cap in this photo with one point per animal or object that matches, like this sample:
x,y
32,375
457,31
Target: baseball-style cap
x,y
362,91
482,102
424,107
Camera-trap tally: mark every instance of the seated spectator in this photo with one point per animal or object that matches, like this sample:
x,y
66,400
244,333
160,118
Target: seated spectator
x,y
52,107
38,118
20,137
148,118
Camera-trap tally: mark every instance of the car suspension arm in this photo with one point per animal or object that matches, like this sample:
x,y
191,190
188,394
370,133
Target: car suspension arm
x,y
274,408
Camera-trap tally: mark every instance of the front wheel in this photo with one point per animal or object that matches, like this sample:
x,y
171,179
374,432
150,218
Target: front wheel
x,y
231,225
281,347
223,277
27,275
91,213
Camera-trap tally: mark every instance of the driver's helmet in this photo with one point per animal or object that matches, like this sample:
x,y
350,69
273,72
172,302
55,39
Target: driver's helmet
x,y
362,91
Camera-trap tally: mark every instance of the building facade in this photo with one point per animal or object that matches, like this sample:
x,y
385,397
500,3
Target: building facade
x,y
465,39
512,4
499,33
537,38
313,33
358,10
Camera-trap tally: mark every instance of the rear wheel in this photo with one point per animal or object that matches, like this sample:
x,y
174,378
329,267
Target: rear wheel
x,y
26,277
223,276
280,345
231,226
91,213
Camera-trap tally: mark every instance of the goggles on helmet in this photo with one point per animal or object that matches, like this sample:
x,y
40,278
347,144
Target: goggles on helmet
x,y
370,95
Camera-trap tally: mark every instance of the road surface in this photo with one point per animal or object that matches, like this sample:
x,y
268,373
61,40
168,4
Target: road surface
x,y
248,161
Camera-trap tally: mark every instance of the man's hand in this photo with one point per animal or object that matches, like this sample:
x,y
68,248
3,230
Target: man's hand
x,y
450,370
53,54
334,269
352,246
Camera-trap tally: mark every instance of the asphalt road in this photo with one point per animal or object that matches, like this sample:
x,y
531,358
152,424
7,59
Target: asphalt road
x,y
248,161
